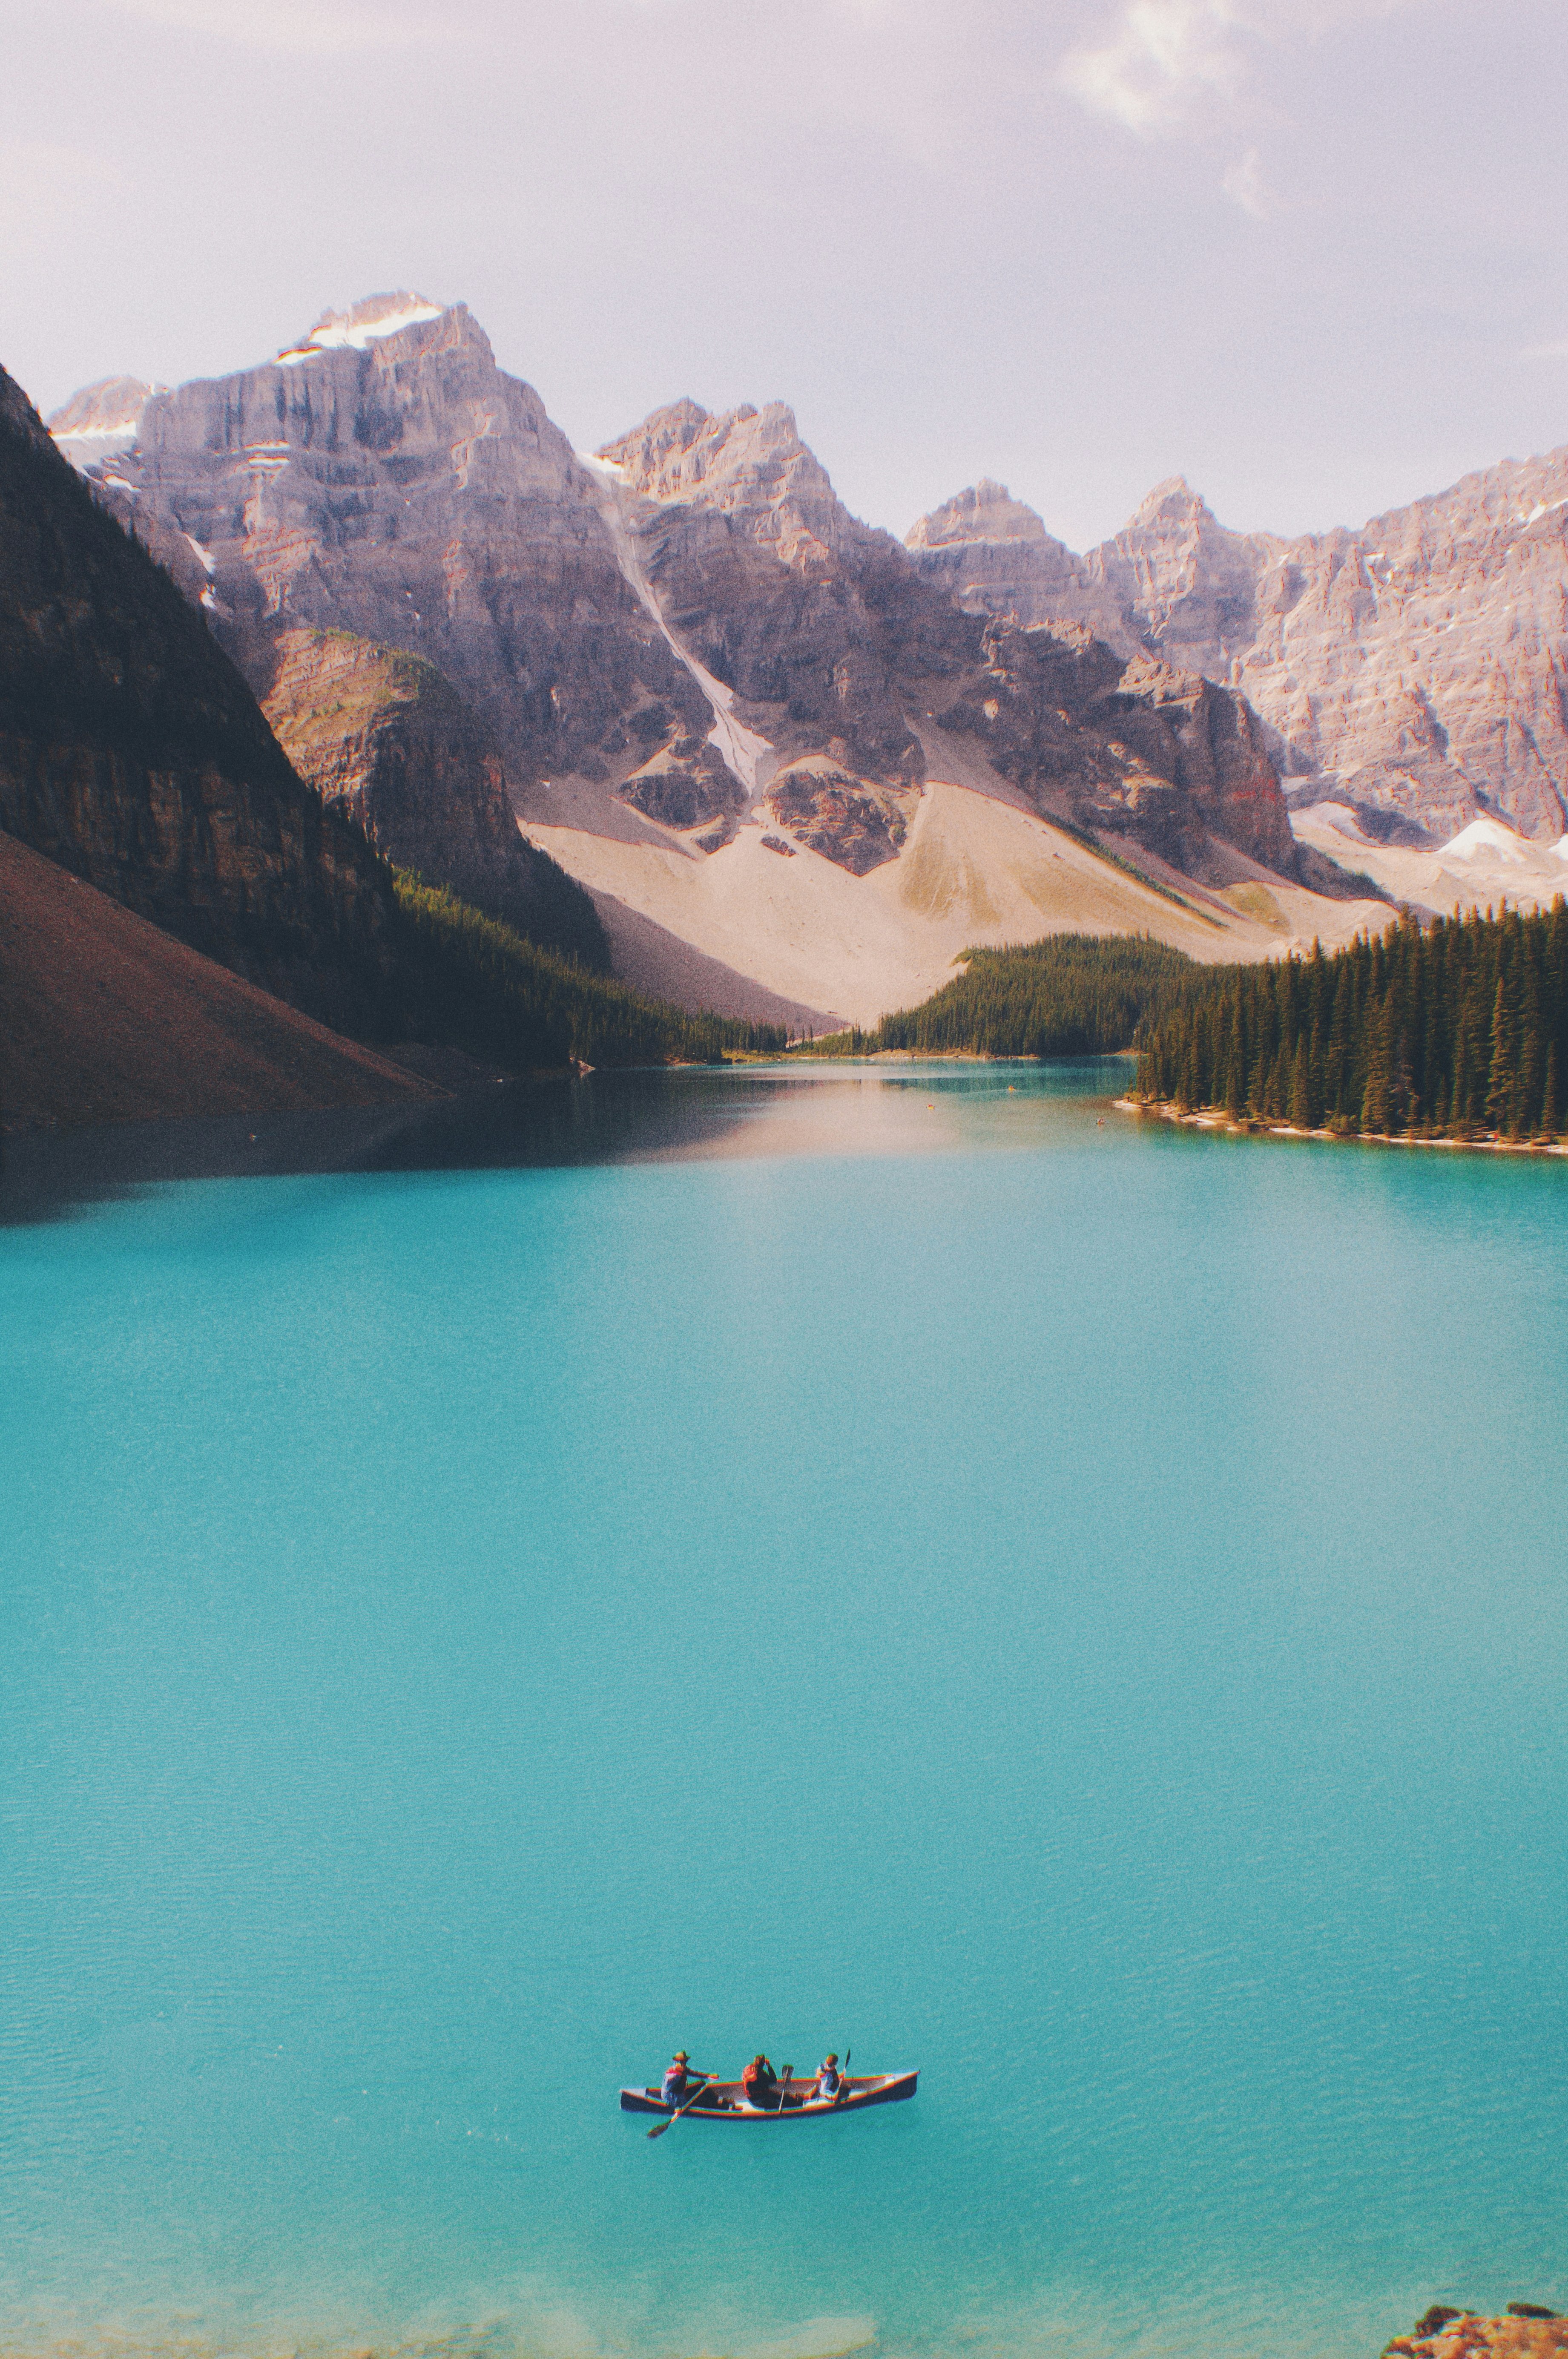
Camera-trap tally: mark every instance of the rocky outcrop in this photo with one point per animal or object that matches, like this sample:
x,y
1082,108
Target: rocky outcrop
x,y
380,734
1416,670
1140,750
384,478
132,754
849,821
687,783
1527,2331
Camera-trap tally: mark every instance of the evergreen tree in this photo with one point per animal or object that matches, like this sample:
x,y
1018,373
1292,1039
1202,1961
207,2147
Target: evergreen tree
x,y
1375,1100
1235,1056
1301,1095
1337,1073
1502,1085
1462,1111
1549,1110
1526,1111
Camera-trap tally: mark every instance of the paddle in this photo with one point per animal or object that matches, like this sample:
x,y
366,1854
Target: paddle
x,y
784,2084
660,2128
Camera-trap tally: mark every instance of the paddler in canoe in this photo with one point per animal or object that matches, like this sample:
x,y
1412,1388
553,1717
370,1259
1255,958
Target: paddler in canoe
x,y
760,2085
681,2081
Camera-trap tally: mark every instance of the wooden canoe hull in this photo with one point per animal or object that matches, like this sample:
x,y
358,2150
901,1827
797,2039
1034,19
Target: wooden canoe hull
x,y
725,2101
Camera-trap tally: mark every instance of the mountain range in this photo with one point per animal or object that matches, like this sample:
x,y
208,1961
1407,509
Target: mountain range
x,y
798,765
1415,670
795,775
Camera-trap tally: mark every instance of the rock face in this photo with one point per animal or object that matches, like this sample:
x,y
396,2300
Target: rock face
x,y
1416,670
831,638
384,737
1139,749
386,478
132,754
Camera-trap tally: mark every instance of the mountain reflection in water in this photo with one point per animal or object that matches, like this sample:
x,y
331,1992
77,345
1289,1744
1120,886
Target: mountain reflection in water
x,y
842,1107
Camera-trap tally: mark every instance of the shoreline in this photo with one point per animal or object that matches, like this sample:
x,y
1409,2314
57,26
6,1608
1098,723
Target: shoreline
x,y
1233,1127
1524,2331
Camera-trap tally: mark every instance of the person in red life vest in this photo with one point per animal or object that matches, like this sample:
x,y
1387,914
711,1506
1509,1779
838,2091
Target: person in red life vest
x,y
760,2082
680,2080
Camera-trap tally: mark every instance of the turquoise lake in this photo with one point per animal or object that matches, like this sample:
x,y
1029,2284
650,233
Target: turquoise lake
x,y
875,1560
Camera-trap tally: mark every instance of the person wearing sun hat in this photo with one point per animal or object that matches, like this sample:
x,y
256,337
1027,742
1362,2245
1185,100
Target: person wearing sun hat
x,y
678,2076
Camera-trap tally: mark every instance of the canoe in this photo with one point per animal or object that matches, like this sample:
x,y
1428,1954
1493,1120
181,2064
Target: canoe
x,y
725,2101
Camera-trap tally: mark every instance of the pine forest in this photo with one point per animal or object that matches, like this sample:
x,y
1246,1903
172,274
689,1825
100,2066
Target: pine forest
x,y
1458,1028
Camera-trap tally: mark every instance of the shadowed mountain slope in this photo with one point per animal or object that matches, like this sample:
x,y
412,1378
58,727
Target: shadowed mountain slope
x,y
384,737
108,1019
131,752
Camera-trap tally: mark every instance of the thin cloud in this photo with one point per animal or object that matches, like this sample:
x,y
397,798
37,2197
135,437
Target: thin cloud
x,y
1165,61
1554,352
295,27
1171,66
1245,186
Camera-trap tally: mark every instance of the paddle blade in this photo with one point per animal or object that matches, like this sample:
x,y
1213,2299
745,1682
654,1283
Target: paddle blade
x,y
660,2128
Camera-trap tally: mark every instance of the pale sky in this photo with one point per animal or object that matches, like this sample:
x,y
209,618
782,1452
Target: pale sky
x,y
1311,254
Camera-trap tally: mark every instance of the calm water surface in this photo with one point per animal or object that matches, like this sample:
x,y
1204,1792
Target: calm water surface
x,y
872,1561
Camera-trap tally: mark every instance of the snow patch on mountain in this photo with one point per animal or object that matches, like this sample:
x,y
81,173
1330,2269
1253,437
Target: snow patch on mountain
x,y
365,323
101,421
1487,839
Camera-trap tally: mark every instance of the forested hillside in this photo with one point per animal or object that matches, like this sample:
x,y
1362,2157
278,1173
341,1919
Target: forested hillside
x,y
1068,995
1457,1029
473,982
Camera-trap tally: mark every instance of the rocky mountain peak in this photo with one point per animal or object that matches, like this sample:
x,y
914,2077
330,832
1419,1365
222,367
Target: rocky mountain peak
x,y
650,456
102,419
385,479
751,465
1170,502
1185,584
986,511
995,556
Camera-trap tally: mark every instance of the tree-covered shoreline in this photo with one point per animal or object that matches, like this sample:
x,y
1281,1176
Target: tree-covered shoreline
x,y
468,980
1456,1029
